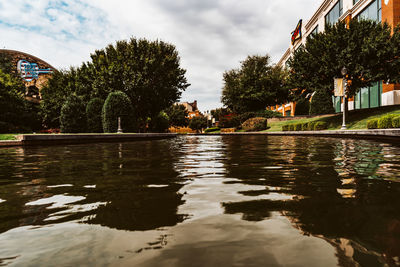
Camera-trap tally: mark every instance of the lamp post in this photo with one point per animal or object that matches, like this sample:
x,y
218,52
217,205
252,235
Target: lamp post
x,y
344,73
119,125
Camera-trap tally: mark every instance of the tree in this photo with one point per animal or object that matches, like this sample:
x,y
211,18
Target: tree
x,y
178,116
93,113
73,115
117,105
321,103
365,48
160,123
256,85
198,123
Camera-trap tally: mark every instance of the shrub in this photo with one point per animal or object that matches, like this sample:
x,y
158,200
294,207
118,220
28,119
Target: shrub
x,y
198,123
302,107
304,126
73,115
160,123
285,128
298,127
291,127
311,125
210,130
255,124
232,122
385,122
372,124
93,113
320,125
117,105
321,103
396,122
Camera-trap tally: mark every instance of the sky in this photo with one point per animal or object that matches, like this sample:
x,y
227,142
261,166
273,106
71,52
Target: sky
x,y
211,36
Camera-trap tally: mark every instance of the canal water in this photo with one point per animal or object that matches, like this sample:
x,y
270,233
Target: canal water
x,y
202,201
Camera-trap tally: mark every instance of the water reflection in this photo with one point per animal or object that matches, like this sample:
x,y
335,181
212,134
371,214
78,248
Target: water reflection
x,y
202,201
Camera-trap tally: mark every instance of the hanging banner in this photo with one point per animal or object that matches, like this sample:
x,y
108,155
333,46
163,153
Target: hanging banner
x,y
296,34
339,86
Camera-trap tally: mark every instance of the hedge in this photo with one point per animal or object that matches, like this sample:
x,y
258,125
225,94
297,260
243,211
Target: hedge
x,y
285,127
385,122
304,126
320,125
372,124
73,115
298,127
255,124
210,130
93,113
396,122
117,105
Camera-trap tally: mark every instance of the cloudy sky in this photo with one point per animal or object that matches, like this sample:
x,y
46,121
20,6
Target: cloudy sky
x,y
211,35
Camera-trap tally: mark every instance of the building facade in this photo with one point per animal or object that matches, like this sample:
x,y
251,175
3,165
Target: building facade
x,y
332,11
33,71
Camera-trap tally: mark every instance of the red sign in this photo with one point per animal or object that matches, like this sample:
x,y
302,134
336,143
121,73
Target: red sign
x,y
296,35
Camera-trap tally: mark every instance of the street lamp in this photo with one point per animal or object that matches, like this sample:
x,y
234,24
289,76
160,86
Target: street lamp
x,y
344,73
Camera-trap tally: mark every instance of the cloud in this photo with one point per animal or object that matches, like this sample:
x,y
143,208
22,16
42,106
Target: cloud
x,y
211,35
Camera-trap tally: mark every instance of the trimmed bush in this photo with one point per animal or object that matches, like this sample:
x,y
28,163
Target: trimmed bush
x,y
232,122
304,126
302,107
285,128
255,124
198,123
160,123
396,122
291,127
117,105
73,115
210,130
298,126
320,125
372,124
93,114
311,125
385,122
321,103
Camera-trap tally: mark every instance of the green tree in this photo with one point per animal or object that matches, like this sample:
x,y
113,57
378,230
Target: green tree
x,y
160,123
178,116
198,123
117,105
73,115
256,85
321,103
365,48
93,113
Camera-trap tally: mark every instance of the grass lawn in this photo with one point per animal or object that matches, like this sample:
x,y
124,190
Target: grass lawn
x,y
357,119
7,137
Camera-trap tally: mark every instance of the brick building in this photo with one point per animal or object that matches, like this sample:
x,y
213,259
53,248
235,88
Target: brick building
x,y
34,71
331,11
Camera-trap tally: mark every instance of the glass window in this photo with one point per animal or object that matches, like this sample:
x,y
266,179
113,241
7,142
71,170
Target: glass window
x,y
357,102
355,1
338,103
334,14
374,95
315,31
364,97
372,12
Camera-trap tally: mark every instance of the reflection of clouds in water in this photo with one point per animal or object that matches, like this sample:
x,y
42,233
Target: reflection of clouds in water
x,y
57,201
2,200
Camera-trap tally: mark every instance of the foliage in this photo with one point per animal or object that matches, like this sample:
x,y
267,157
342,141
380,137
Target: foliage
x,y
149,73
219,112
229,122
302,107
285,127
396,122
93,113
298,127
73,115
320,125
117,105
178,116
198,123
385,122
211,130
311,125
321,103
291,127
365,48
304,126
255,124
256,85
372,124
160,123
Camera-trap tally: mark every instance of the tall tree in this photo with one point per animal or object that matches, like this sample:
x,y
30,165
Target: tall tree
x,y
256,85
178,116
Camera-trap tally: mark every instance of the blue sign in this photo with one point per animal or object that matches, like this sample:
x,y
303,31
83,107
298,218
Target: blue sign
x,y
30,71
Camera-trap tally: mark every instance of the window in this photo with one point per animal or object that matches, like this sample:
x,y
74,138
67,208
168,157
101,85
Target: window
x,y
334,14
372,12
355,1
369,97
315,31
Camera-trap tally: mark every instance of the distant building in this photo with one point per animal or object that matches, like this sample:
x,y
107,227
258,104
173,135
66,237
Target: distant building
x,y
192,109
34,71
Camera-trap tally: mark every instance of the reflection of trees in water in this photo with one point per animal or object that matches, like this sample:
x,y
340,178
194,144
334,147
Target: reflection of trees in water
x,y
314,173
121,174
